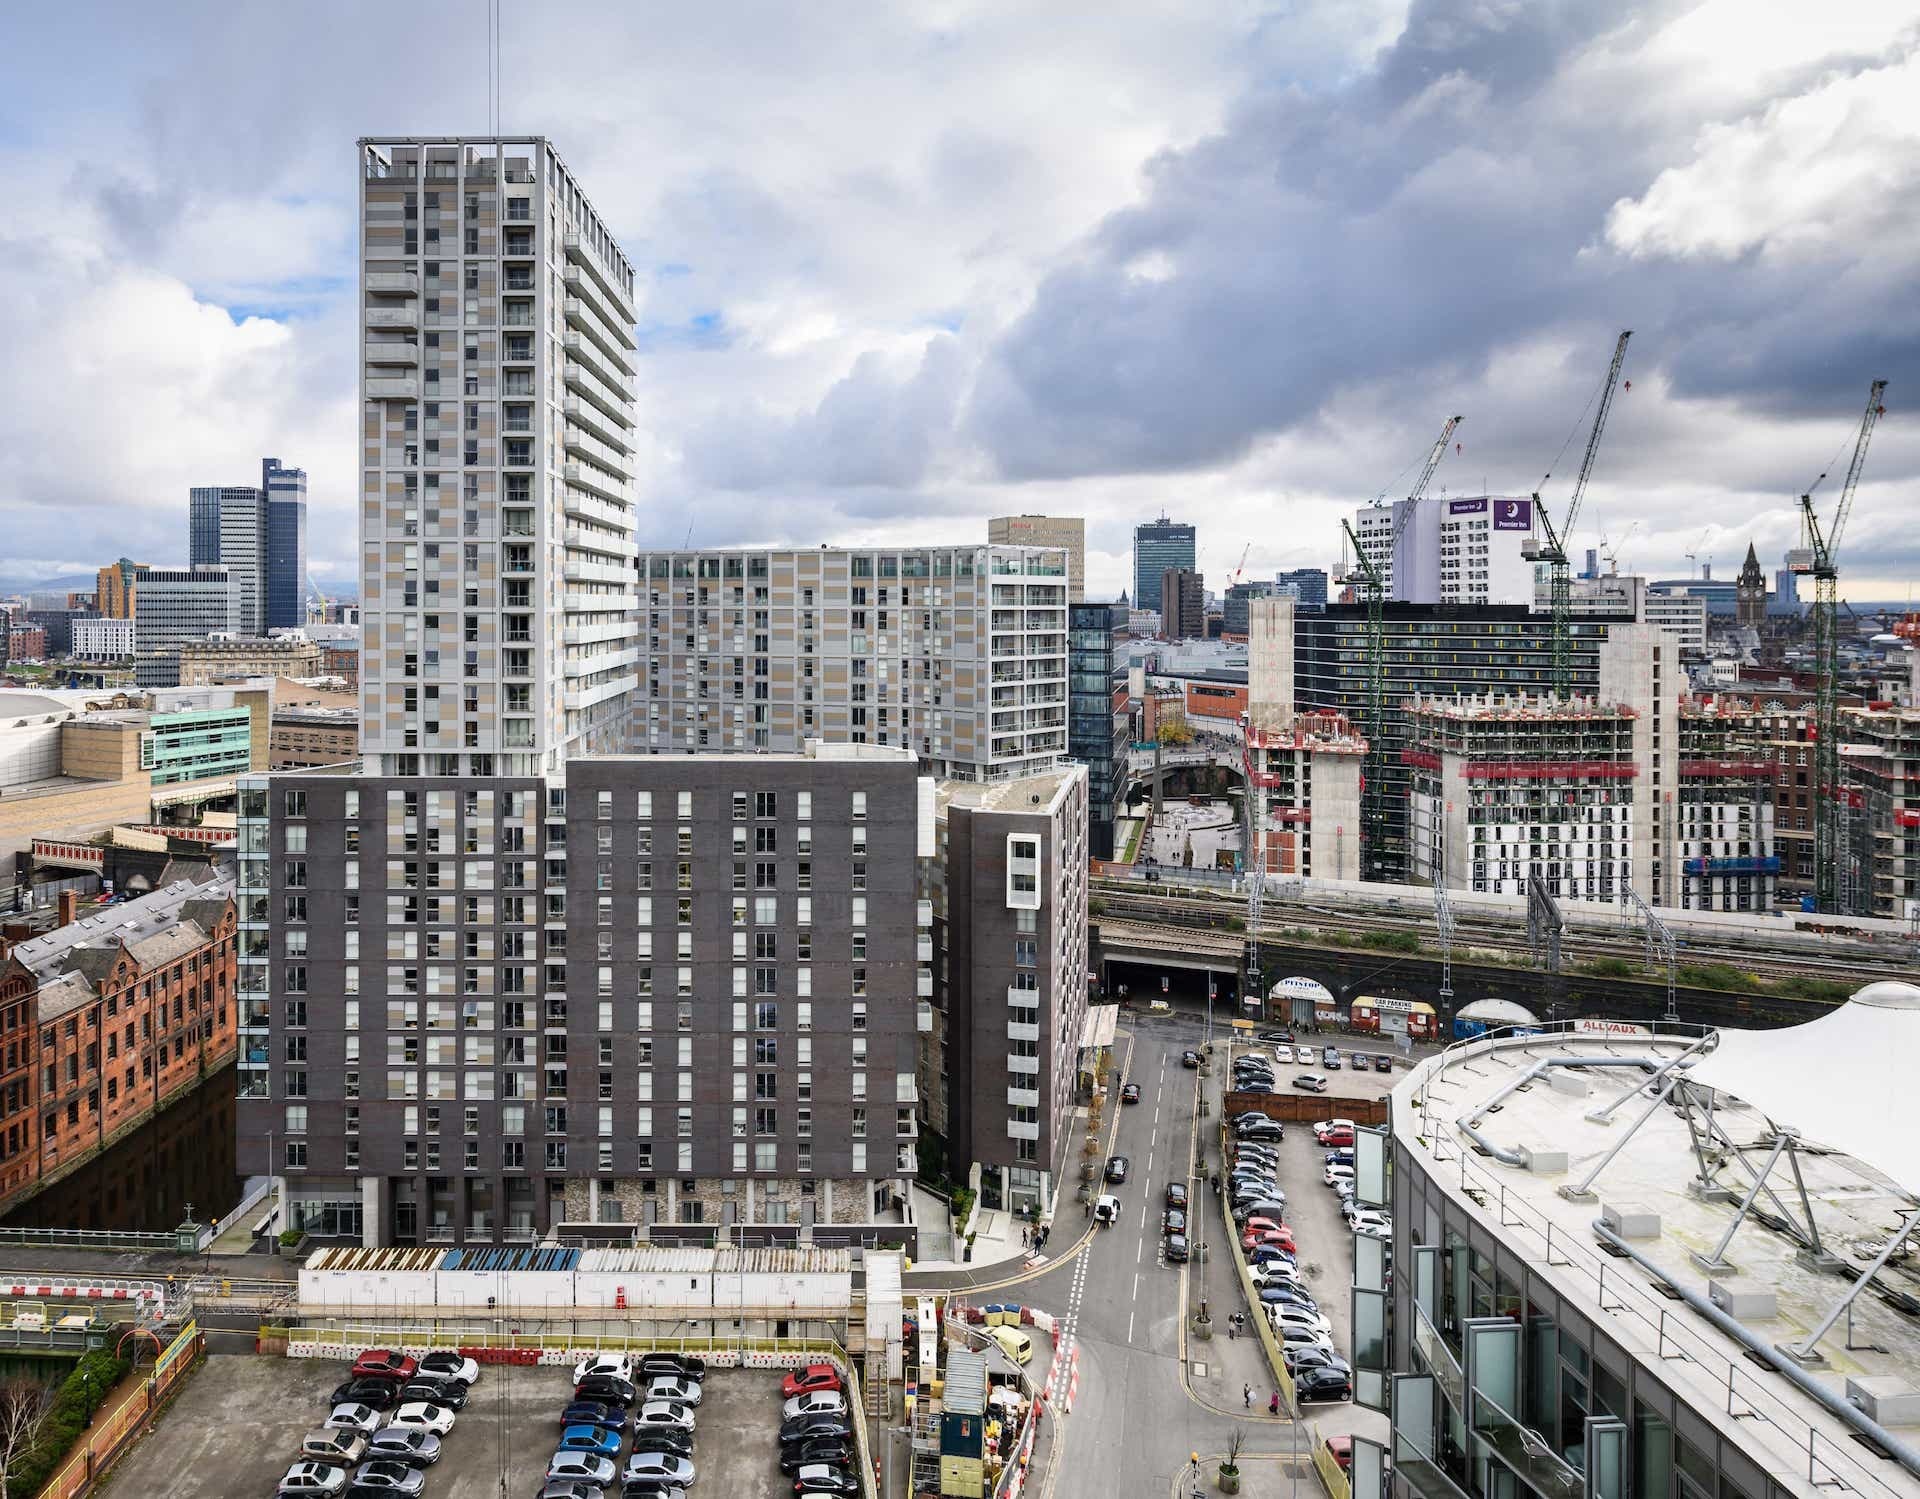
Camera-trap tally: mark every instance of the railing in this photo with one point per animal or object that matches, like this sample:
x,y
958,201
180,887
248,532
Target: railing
x,y
113,1434
1668,1330
88,1238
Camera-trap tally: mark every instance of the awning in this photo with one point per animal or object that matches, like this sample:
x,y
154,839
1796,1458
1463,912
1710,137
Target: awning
x,y
1844,1080
1097,1030
194,791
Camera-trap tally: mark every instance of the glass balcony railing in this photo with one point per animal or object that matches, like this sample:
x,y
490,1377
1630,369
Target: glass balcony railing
x,y
1525,1451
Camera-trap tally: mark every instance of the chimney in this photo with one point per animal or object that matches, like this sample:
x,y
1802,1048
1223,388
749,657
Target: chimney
x,y
69,907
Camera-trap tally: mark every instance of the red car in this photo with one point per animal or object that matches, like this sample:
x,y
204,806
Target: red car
x,y
1333,1139
1265,1226
805,1381
1268,1236
384,1363
1340,1449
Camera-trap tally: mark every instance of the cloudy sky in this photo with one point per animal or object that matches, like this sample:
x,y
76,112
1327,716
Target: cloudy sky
x,y
907,265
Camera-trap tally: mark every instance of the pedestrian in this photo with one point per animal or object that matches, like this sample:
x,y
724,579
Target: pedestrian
x,y
1246,1395
1215,1179
1026,1237
1233,1328
1273,1404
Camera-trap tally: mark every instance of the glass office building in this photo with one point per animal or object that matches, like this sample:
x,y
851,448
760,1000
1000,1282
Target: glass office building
x,y
1097,712
1157,546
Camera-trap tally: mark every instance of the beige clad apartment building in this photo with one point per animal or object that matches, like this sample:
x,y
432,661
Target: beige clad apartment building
x,y
496,453
1067,531
958,653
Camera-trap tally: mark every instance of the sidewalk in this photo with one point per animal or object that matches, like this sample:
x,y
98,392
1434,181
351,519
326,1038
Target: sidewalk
x,y
998,1242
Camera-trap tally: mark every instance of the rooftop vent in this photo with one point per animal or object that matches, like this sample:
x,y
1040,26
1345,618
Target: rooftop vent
x,y
1630,1220
1743,1305
1886,1398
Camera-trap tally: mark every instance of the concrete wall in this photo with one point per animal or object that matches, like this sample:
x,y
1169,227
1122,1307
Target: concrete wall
x,y
1270,658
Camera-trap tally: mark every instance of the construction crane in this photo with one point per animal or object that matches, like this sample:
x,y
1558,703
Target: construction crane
x,y
1373,789
1234,581
1818,554
1553,551
1611,549
1693,556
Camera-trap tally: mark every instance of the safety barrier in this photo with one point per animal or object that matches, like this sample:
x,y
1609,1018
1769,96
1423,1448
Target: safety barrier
x,y
112,1433
1263,1329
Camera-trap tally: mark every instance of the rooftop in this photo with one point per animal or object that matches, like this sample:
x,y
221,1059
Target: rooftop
x,y
1538,1100
1033,793
135,922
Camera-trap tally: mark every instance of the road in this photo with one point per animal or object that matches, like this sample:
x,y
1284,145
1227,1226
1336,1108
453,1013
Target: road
x,y
1149,1396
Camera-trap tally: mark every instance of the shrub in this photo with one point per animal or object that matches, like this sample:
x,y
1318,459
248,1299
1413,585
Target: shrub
x,y
963,1204
85,1388
290,1237
1391,941
1609,968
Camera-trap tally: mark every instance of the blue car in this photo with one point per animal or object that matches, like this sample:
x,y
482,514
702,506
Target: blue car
x,y
590,1439
593,1413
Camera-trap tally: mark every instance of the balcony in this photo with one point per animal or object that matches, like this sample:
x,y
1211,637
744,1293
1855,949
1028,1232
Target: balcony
x,y
605,543
393,283
586,507
923,983
399,353
587,288
1023,1098
591,418
923,1016
580,253
596,481
1025,1066
583,444
588,353
611,399
402,319
390,389
600,692
1020,1130
578,571
1019,1032
612,345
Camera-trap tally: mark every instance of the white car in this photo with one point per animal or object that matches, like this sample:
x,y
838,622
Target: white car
x,y
664,1467
1299,1337
1335,1172
1303,1056
815,1403
1106,1209
1287,1318
668,1413
1376,1224
361,1418
1253,1056
1274,1273
314,1478
669,1387
449,1364
619,1365
421,1415
1283,1054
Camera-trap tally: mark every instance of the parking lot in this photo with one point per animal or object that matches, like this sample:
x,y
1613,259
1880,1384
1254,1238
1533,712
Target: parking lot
x,y
238,1423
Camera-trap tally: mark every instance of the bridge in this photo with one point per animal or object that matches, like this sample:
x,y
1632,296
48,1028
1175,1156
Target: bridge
x,y
1190,763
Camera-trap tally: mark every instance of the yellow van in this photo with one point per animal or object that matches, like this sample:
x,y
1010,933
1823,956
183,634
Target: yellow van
x,y
1014,1343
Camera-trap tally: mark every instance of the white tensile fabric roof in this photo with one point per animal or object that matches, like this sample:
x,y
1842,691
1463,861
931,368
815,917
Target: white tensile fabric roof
x,y
1845,1080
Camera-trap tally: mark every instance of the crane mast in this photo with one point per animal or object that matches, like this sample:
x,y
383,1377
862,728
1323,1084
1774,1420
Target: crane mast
x,y
1553,551
1819,554
1373,791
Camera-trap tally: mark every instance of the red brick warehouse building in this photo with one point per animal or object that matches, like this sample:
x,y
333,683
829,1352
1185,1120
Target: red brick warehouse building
x,y
106,1020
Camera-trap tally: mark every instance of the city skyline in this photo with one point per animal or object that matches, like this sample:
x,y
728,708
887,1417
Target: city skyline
x,y
788,392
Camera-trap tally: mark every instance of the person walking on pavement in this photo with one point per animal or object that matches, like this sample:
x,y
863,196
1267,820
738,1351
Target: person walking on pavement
x,y
1273,1404
1246,1395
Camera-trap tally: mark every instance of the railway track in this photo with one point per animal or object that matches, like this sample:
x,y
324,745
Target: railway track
x,y
1205,909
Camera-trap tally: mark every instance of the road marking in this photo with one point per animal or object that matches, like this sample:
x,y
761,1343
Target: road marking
x,y
1139,1248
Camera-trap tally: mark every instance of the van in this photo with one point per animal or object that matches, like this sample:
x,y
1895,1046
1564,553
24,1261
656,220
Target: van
x,y
1159,1007
1014,1343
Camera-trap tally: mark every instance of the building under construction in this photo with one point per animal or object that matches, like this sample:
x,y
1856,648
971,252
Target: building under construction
x,y
1303,797
1501,785
1724,815
1880,833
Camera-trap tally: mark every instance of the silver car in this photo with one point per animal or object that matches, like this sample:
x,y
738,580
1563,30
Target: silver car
x,y
386,1474
660,1467
583,1467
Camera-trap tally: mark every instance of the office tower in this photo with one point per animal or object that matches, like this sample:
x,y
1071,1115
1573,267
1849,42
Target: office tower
x,y
1236,606
1183,604
1008,898
1786,592
637,990
496,509
1307,585
174,605
1451,551
114,586
286,563
1157,546
1097,712
959,653
228,528
1068,532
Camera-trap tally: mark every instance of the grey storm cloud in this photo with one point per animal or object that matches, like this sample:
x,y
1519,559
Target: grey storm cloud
x,y
1400,231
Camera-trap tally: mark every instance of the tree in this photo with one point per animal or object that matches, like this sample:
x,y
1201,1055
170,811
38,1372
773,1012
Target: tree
x,y
24,1408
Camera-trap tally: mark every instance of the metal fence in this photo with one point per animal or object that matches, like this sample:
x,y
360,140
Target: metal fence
x,y
89,1238
112,1433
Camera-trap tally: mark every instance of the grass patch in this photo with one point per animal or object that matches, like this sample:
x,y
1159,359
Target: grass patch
x,y
1608,968
1391,941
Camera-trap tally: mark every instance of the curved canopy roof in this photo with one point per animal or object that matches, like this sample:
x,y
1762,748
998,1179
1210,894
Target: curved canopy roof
x,y
1845,1080
1498,1012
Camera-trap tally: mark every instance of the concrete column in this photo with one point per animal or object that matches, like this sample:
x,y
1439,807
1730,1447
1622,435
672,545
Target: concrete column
x,y
747,1216
593,1199
373,1216
826,1197
673,1199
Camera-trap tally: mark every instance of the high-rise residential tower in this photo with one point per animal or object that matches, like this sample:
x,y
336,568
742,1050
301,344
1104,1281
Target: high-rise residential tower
x,y
286,560
1157,546
497,585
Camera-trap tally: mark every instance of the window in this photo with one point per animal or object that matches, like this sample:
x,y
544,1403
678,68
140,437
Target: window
x,y
859,806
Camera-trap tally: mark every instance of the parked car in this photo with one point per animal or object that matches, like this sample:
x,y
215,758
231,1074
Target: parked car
x,y
342,1446
820,1478
1173,1221
1382,1062
1303,1055
1310,1082
1270,1239
1287,1317
449,1365
677,1388
813,1377
835,1451
817,1403
813,1428
1322,1382
664,1439
448,1392
1261,1223
1189,1059
1266,1254
405,1445
590,1439
384,1363
686,1365
1176,1194
1117,1168
1288,1295
647,1488
1334,1173
609,1365
1274,1206
1328,1127
1337,1139
656,1414
608,1389
1340,1449
1307,1358
1373,1223
1280,1036
423,1416
1274,1273
381,1394
313,1478
352,1416
1130,1093
670,1466
594,1413
583,1467
1267,1129
1341,1155
570,1488
1283,1055
1300,1337
390,1477
1106,1208
1177,1249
